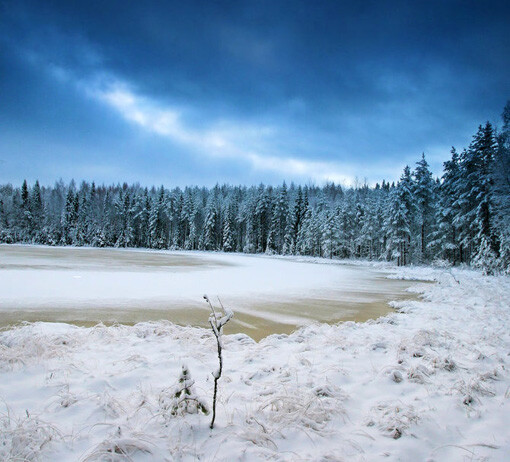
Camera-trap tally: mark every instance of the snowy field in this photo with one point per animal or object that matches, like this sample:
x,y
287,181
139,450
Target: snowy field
x,y
428,382
269,295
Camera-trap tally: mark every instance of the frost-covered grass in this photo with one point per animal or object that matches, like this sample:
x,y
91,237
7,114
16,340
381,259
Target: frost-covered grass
x,y
428,382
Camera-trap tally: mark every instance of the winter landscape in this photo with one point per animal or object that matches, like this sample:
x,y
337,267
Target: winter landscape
x,y
254,230
429,379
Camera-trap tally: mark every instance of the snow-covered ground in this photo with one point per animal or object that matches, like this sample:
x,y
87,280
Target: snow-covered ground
x,y
429,382
269,295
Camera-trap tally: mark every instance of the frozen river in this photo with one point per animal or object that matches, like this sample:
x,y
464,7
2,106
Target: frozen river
x,y
268,295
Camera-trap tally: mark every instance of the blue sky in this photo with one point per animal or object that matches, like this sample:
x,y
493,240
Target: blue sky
x,y
241,92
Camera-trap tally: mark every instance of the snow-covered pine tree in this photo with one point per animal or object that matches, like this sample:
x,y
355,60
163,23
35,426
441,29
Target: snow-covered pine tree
x,y
330,233
185,399
179,221
209,233
69,218
347,224
294,221
276,236
158,226
36,211
444,243
289,242
262,219
425,196
141,219
304,235
367,239
248,222
4,223
26,215
124,219
402,208
228,230
475,202
501,191
82,215
189,213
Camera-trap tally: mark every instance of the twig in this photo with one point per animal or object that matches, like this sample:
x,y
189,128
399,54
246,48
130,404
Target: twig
x,y
217,328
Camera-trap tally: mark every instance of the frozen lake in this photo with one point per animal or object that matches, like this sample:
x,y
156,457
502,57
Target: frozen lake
x,y
268,295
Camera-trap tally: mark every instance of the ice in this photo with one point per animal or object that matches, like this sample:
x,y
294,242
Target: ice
x,y
269,295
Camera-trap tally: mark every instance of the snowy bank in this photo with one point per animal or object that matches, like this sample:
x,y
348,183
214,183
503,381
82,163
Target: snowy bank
x,y
429,382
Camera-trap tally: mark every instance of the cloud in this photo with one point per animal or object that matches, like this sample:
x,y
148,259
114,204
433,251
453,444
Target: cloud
x,y
257,92
226,140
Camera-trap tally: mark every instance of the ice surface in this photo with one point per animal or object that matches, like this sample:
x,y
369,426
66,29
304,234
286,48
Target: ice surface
x,y
269,295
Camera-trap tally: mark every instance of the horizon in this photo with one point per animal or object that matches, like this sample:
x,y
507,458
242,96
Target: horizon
x,y
289,184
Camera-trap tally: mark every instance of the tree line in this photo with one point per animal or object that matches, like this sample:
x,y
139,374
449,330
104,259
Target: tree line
x,y
462,217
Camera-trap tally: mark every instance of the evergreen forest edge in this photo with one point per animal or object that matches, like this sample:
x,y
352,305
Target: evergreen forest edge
x,y
463,217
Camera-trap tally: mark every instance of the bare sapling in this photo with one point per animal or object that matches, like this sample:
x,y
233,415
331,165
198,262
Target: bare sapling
x,y
217,321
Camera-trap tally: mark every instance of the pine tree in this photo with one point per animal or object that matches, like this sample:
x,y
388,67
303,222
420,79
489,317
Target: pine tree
x,y
82,217
475,202
158,230
445,238
68,218
367,237
304,235
247,222
228,230
184,399
262,218
293,223
142,216
399,220
188,216
346,225
180,222
276,237
501,191
4,225
424,193
36,210
26,215
330,234
272,235
124,220
209,232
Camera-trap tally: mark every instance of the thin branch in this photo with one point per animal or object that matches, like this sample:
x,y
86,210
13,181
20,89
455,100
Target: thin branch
x,y
217,328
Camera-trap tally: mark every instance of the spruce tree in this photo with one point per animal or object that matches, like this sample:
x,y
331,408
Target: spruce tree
x,y
399,219
228,244
475,203
501,190
425,196
444,242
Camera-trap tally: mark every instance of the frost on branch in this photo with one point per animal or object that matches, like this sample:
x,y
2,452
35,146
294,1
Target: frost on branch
x,y
217,321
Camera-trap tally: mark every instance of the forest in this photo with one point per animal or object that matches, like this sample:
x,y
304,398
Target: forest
x,y
461,218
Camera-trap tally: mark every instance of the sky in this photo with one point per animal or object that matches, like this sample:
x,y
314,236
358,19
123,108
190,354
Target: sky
x,y
244,92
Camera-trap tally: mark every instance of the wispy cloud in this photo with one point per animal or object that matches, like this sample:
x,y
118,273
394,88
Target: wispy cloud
x,y
251,144
253,147
223,141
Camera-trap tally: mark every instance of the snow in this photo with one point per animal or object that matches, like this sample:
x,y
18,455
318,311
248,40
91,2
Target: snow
x,y
428,382
87,284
